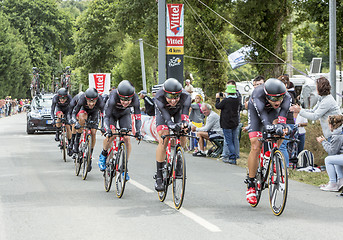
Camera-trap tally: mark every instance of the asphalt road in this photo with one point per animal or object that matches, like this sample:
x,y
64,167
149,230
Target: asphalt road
x,y
41,198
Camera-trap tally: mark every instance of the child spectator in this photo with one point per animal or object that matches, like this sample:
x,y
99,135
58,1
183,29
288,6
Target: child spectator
x,y
334,148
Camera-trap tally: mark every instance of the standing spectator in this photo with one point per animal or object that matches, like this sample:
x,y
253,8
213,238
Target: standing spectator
x,y
148,103
189,88
229,119
209,131
290,117
334,148
197,119
325,106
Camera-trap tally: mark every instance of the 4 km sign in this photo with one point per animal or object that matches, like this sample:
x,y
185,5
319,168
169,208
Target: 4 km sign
x,y
174,41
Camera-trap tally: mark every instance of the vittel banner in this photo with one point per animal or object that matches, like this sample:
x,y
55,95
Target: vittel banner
x,y
175,41
100,81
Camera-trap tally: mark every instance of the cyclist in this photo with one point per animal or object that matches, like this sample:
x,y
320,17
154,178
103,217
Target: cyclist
x,y
268,105
88,107
72,104
60,108
118,109
171,101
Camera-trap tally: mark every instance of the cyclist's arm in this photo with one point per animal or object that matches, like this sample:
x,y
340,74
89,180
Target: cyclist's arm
x,y
53,106
108,110
137,113
160,107
261,111
185,107
76,110
285,105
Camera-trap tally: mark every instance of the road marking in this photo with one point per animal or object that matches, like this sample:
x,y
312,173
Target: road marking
x,y
206,224
201,221
140,186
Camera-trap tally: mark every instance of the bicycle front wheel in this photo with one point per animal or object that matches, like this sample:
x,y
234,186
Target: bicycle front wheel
x,y
179,177
86,155
165,173
278,183
121,170
108,173
64,144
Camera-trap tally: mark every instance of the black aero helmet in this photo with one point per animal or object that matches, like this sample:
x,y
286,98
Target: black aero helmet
x,y
172,88
62,93
91,94
275,89
125,90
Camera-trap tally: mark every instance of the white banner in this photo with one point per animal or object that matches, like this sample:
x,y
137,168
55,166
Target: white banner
x,y
100,81
237,58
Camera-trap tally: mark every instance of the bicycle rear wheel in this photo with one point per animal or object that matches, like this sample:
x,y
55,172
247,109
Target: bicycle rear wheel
x,y
121,170
278,183
109,172
86,154
64,144
166,176
179,177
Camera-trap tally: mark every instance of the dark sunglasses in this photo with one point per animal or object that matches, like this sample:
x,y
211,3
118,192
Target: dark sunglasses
x,y
125,99
172,96
62,97
91,99
275,98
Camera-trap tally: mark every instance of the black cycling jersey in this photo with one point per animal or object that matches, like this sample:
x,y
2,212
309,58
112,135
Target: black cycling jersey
x,y
261,113
57,106
82,105
164,111
114,111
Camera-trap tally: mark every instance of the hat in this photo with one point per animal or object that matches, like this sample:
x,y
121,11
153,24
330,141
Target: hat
x,y
230,89
187,80
142,92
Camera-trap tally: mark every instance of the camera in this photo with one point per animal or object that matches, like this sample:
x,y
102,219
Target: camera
x,y
221,94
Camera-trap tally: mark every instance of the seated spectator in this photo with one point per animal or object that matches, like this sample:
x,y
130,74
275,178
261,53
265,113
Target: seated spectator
x,y
189,88
334,148
211,129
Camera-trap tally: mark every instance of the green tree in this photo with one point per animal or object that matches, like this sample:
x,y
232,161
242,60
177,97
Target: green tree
x,y
14,61
267,22
45,30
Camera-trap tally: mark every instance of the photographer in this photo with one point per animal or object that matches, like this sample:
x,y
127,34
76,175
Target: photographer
x,y
229,119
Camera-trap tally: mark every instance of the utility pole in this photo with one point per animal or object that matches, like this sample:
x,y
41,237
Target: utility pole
x,y
142,63
161,41
289,54
333,48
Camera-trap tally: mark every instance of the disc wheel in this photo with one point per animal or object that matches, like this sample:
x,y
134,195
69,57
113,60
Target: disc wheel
x,y
179,177
165,173
121,170
278,183
86,154
64,144
109,172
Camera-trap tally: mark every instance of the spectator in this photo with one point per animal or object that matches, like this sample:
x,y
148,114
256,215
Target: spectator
x,y
302,123
148,103
334,148
290,118
325,106
229,119
189,88
209,131
197,119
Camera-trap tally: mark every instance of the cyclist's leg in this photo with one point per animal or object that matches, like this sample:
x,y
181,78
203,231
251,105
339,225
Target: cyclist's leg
x,y
81,117
125,122
59,114
107,143
162,129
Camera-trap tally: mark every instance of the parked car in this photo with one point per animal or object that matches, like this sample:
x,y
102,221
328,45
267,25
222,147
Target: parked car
x,y
38,115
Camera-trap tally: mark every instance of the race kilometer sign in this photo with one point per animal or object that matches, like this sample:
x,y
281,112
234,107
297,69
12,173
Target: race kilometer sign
x,y
175,40
100,81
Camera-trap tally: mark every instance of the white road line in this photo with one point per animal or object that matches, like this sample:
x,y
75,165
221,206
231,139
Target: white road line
x,y
206,224
201,221
140,186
